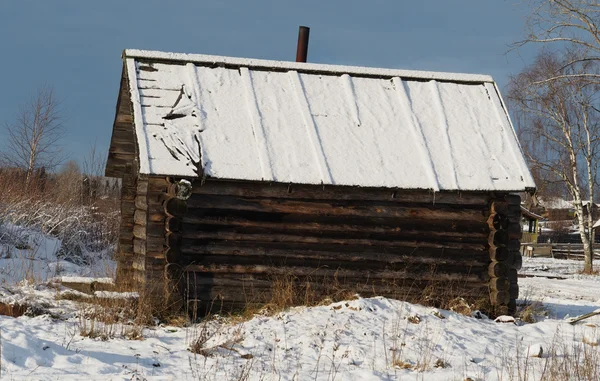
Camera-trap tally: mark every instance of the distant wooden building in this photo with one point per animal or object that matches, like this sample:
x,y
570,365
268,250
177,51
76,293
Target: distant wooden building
x,y
238,173
529,225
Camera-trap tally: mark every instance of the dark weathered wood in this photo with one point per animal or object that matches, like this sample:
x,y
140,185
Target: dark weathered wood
x,y
173,255
499,297
431,229
173,239
498,221
339,272
513,291
139,231
339,208
499,253
319,192
139,217
141,203
232,236
139,246
173,224
175,207
155,243
497,269
264,251
155,229
499,207
499,284
498,238
414,265
517,261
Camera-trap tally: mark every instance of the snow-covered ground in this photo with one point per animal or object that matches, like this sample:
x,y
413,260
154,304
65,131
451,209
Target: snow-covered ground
x,y
361,339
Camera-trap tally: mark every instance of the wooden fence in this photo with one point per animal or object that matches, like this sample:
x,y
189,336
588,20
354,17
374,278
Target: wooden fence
x,y
556,250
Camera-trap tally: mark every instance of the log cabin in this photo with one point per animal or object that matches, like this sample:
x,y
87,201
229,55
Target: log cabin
x,y
238,173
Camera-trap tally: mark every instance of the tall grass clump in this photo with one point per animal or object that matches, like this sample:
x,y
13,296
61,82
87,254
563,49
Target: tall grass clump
x,y
81,211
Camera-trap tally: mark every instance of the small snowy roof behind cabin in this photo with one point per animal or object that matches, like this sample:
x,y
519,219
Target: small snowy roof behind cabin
x,y
246,119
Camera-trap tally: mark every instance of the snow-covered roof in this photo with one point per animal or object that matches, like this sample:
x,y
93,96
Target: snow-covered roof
x,y
246,119
528,213
560,203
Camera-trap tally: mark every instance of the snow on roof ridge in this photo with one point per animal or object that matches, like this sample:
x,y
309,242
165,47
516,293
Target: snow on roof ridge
x,y
307,67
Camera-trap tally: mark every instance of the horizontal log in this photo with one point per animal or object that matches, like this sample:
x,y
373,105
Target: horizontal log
x,y
317,252
339,208
499,284
155,229
319,192
241,217
498,238
142,187
155,243
339,273
498,221
156,255
157,184
513,276
139,246
513,200
194,246
414,265
517,262
499,207
173,239
173,224
513,291
139,231
141,202
245,295
499,253
175,207
499,298
157,217
373,234
288,238
173,255
139,217
447,230
497,269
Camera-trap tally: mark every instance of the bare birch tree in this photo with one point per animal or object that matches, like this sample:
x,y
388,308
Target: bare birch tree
x,y
570,24
560,129
33,139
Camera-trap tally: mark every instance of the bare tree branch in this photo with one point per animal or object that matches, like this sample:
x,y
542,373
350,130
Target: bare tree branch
x,y
33,138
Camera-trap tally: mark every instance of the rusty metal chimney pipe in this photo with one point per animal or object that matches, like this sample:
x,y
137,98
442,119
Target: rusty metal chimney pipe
x,y
302,50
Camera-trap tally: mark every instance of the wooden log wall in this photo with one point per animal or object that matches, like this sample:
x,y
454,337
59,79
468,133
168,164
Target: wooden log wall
x,y
123,147
125,254
504,243
238,239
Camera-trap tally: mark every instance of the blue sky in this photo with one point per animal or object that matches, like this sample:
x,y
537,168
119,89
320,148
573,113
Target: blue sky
x,y
75,46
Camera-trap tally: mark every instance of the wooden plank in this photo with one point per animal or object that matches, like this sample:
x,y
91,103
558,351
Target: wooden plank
x,y
414,265
175,207
139,231
141,203
339,208
139,217
289,238
499,284
339,273
139,246
431,228
375,234
250,248
497,269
